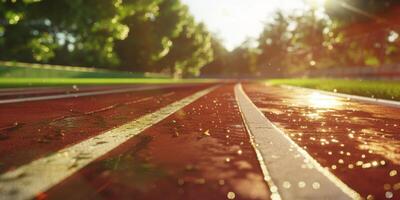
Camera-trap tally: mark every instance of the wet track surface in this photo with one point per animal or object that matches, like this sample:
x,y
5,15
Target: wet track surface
x,y
30,130
358,142
41,91
203,150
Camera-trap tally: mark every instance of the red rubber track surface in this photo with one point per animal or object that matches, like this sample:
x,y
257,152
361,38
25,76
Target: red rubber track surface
x,y
48,91
31,130
358,142
200,152
45,91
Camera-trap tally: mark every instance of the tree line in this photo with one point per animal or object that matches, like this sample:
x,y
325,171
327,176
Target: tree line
x,y
346,33
162,36
133,35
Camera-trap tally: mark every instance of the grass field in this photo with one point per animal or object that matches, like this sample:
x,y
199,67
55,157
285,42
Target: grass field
x,y
377,89
21,70
17,74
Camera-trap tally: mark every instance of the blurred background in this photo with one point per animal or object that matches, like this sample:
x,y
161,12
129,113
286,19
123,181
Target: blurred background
x,y
191,38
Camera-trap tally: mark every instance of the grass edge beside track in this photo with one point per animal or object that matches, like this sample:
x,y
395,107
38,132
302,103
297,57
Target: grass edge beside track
x,y
12,69
369,88
42,82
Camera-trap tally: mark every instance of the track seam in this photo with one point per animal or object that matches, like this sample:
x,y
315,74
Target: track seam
x,y
327,174
28,180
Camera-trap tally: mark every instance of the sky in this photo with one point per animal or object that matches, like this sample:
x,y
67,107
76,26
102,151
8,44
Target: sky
x,y
236,20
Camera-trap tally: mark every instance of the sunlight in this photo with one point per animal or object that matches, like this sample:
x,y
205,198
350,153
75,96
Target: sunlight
x,y
235,20
317,3
319,100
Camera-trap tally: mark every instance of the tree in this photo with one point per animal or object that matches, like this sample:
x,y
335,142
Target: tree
x,y
350,11
242,61
274,42
191,51
219,65
170,41
150,37
365,31
131,34
34,30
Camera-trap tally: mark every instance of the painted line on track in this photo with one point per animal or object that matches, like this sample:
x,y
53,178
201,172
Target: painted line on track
x,y
296,174
53,91
384,102
26,181
26,88
267,176
83,94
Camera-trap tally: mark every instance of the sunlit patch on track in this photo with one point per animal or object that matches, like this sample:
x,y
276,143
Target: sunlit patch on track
x,y
286,164
357,141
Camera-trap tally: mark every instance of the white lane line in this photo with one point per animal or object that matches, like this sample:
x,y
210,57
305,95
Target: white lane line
x,y
296,174
40,175
25,89
55,90
267,176
384,102
83,94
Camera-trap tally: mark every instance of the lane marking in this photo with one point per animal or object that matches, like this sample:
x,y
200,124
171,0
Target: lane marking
x,y
296,174
83,94
25,89
267,177
40,175
384,102
55,90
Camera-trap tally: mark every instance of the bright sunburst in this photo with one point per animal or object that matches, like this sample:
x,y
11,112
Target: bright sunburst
x,y
236,20
319,100
317,3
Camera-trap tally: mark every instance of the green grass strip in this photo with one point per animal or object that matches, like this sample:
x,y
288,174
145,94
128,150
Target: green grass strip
x,y
368,88
10,69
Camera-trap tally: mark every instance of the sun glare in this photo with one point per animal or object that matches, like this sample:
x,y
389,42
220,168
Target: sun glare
x,y
234,21
317,3
319,100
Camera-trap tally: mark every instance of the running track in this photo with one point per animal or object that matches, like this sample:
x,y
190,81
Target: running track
x,y
198,141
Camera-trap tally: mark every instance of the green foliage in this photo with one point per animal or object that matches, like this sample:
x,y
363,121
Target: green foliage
x,y
293,43
23,70
242,61
191,52
42,47
352,33
274,43
128,34
37,30
350,11
170,41
219,65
